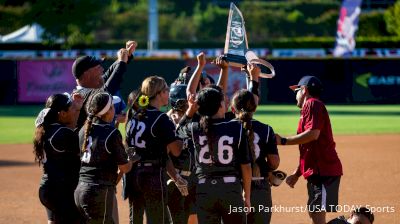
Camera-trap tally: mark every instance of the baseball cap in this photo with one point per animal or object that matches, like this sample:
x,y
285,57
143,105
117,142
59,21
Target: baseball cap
x,y
82,64
309,81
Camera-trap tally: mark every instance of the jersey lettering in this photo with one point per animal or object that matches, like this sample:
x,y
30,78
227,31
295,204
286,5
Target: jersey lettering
x,y
136,140
86,155
225,151
256,146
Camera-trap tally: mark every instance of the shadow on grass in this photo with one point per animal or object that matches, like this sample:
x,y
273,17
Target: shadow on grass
x,y
4,163
20,111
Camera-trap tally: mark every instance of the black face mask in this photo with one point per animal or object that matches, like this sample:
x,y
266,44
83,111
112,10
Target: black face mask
x,y
180,105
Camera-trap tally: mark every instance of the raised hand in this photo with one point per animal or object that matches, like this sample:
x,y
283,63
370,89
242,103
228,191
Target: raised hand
x,y
220,62
131,46
201,59
123,55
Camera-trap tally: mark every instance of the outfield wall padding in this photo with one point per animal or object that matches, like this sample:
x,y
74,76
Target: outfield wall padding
x,y
345,80
8,82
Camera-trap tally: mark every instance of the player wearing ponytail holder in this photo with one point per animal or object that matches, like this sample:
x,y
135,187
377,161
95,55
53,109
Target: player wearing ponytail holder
x,y
262,144
102,155
319,162
152,134
222,159
56,149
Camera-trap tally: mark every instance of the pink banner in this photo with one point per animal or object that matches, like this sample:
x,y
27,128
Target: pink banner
x,y
39,79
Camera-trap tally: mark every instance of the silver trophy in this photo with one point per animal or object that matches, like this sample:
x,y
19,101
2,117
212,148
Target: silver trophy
x,y
236,50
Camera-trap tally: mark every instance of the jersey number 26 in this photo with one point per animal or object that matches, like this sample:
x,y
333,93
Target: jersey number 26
x,y
225,151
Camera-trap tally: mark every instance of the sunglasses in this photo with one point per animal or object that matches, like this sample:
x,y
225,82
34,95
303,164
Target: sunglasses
x,y
297,89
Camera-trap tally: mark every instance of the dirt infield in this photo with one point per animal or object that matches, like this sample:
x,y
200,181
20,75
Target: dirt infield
x,y
371,177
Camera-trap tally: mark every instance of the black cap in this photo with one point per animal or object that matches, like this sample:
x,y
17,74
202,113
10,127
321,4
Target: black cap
x,y
309,81
82,64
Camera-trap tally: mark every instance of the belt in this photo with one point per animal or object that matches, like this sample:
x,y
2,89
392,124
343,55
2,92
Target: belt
x,y
229,179
185,173
145,164
258,178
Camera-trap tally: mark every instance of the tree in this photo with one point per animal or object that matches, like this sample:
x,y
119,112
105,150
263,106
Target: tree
x,y
74,20
392,19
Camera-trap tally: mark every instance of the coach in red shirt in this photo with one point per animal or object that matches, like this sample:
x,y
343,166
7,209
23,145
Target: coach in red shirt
x,y
319,163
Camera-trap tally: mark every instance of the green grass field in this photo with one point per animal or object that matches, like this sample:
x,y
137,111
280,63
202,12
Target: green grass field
x,y
17,122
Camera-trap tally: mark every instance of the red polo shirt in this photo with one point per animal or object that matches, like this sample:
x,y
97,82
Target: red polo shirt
x,y
319,156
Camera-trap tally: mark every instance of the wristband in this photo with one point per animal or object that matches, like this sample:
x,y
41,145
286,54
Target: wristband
x,y
253,87
283,141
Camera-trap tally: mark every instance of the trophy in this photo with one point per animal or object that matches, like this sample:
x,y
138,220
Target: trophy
x,y
236,48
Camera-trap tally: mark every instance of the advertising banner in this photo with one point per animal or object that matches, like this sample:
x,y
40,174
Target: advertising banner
x,y
347,26
38,79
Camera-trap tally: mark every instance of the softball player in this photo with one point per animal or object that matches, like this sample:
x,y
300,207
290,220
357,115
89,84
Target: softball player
x,y
181,203
152,134
264,151
102,155
56,147
220,149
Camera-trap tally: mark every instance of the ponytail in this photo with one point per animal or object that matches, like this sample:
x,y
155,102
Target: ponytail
x,y
206,124
45,118
244,105
87,127
245,118
38,144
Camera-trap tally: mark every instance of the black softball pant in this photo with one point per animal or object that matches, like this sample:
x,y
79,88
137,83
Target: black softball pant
x,y
95,202
215,200
261,201
58,198
179,206
148,193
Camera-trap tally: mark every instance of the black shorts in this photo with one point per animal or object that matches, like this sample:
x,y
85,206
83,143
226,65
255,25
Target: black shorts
x,y
323,193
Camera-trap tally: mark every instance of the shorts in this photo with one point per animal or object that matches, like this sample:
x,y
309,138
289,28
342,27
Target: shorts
x,y
323,193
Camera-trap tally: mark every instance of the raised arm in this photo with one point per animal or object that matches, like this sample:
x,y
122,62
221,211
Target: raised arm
x,y
114,74
195,79
253,73
223,75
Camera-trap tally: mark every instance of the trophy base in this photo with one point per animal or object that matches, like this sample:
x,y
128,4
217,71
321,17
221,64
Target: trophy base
x,y
235,60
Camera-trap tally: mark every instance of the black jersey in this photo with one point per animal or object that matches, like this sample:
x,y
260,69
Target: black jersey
x,y
61,154
264,144
186,160
229,147
112,80
151,135
105,151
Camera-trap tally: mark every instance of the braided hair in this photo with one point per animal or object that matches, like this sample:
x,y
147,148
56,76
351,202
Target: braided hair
x,y
244,105
97,103
54,104
209,101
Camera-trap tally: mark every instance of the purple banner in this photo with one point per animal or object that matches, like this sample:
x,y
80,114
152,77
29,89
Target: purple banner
x,y
347,27
38,79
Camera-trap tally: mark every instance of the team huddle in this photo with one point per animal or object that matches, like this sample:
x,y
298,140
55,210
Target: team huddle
x,y
191,164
